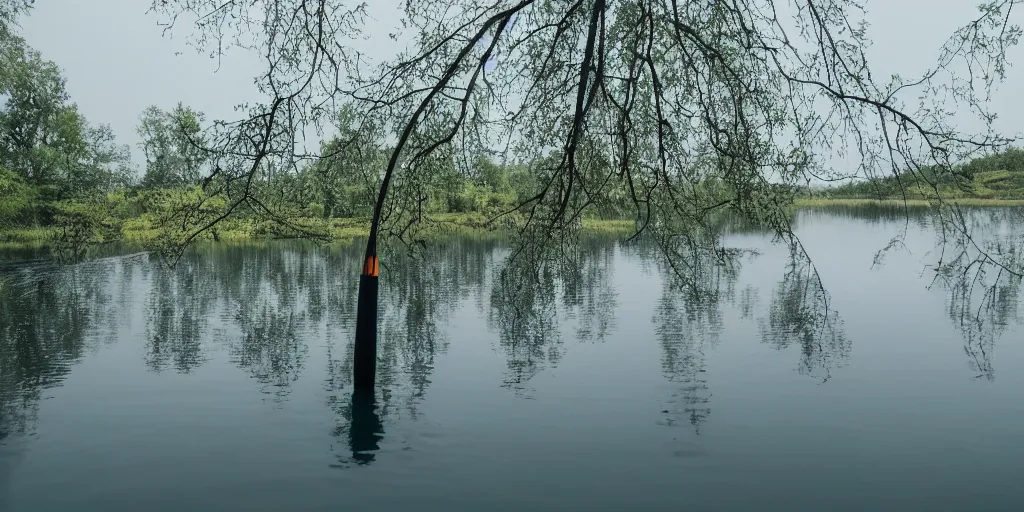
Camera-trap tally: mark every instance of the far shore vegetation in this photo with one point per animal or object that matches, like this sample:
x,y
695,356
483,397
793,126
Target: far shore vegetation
x,y
51,215
994,180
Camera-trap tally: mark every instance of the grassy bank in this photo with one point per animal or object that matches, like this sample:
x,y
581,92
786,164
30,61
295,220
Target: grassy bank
x,y
27,238
140,232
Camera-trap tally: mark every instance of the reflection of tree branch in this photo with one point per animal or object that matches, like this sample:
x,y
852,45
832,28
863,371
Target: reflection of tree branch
x,y
533,296
270,348
699,279
176,319
685,328
800,314
523,311
982,279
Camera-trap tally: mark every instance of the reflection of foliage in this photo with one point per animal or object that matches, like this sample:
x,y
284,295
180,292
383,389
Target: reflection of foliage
x,y
688,320
800,314
176,318
421,293
747,302
588,297
684,328
46,317
532,296
271,304
872,214
523,310
700,281
263,297
411,326
271,350
982,277
695,261
979,265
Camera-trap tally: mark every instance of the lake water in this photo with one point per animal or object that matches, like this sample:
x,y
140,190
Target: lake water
x,y
224,383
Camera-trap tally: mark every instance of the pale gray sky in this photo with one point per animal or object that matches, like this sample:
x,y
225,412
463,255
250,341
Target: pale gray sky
x,y
117,61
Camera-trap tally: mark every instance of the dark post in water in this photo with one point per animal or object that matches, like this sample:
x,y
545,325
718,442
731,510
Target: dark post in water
x,y
364,371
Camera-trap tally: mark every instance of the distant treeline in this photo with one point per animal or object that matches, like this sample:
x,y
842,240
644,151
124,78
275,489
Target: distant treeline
x,y
997,176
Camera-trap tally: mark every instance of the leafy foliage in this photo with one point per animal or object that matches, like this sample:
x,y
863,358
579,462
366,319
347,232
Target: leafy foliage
x,y
44,141
172,143
16,198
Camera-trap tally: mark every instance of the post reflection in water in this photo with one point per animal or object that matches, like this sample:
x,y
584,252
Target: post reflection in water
x,y
365,428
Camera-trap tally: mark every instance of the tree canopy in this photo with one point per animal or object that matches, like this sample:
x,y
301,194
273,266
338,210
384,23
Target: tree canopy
x,y
172,144
650,101
48,151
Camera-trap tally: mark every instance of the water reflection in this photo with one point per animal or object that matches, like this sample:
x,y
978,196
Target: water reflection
x,y
532,300
263,306
689,321
523,312
976,259
800,315
271,349
267,307
981,275
176,318
419,294
49,317
363,428
912,216
698,291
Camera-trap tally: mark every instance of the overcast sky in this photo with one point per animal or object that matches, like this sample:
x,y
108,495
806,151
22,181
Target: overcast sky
x,y
117,61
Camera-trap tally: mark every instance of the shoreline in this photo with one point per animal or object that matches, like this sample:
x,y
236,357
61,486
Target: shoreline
x,y
137,232
917,203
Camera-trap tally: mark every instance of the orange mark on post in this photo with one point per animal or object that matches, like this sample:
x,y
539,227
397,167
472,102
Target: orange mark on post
x,y
370,268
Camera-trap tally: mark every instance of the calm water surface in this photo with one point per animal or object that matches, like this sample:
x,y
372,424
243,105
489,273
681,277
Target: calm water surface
x,y
224,383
